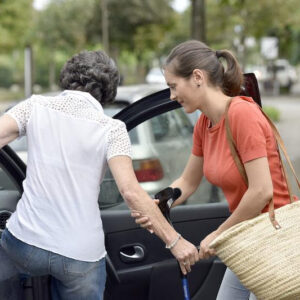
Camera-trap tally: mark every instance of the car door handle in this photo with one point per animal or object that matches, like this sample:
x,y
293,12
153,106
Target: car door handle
x,y
132,253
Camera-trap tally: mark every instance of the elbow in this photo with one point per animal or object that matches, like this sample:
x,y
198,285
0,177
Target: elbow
x,y
265,194
129,194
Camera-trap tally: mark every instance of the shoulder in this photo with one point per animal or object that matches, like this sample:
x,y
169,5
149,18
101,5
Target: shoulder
x,y
114,123
244,108
115,128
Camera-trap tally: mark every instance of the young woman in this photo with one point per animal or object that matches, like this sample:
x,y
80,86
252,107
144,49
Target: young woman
x,y
56,228
204,79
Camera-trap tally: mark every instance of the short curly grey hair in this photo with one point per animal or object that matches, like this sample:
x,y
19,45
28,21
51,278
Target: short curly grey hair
x,y
93,72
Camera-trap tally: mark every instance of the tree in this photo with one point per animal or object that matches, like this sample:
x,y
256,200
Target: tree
x,y
16,21
198,24
61,27
229,20
74,25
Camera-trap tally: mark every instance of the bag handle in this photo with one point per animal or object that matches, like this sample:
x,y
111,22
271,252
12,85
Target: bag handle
x,y
241,167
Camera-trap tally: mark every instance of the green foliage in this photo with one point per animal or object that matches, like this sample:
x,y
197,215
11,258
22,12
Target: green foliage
x,y
140,32
16,20
6,77
62,25
259,19
272,112
8,95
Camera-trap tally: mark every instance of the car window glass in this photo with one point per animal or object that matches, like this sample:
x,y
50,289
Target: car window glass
x,y
159,157
9,196
19,144
6,183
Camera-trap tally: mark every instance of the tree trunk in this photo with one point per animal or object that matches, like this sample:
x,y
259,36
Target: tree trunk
x,y
198,26
52,73
105,26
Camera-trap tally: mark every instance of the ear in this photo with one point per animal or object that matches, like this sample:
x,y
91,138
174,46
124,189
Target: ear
x,y
198,76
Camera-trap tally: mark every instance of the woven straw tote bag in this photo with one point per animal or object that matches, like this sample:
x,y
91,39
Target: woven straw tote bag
x,y
264,252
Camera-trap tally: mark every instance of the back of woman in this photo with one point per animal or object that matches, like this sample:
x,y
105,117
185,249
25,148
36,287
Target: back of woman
x,y
69,141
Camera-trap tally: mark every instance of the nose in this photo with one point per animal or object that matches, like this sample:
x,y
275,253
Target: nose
x,y
173,96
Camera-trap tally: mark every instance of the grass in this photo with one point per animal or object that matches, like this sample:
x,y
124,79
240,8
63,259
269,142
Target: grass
x,y
272,112
8,96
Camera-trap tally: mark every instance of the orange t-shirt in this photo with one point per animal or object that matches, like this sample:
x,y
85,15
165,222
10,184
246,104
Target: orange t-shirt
x,y
254,139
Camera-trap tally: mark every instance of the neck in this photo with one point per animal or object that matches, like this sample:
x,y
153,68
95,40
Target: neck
x,y
215,105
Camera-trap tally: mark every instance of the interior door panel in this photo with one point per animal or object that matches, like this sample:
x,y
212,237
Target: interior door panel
x,y
157,276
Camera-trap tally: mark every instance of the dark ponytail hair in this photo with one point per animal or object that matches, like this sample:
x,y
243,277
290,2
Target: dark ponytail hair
x,y
191,55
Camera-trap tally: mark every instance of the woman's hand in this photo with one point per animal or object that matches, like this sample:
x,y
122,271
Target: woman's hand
x,y
205,251
143,220
186,254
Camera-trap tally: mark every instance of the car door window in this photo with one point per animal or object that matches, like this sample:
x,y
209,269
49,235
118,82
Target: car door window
x,y
9,196
161,149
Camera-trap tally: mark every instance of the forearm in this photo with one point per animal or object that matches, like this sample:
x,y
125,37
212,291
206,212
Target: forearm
x,y
250,206
8,130
190,179
138,200
186,188
257,196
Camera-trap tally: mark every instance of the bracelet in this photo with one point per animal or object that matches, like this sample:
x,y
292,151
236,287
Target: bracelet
x,y
174,242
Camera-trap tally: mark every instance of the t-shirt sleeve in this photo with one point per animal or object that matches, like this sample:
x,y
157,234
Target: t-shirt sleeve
x,y
118,141
249,128
197,137
21,114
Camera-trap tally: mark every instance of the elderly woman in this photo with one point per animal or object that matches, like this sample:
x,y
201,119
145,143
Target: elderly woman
x,y
56,228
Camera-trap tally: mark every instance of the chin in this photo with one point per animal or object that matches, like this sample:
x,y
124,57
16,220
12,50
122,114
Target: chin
x,y
189,110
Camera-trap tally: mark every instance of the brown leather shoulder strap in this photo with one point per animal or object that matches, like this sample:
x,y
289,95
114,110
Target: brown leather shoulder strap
x,y
232,145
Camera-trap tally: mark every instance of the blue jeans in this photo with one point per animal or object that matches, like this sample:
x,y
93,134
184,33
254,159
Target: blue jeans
x,y
231,288
71,279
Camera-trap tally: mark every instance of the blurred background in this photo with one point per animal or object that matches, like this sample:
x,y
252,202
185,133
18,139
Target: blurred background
x,y
38,36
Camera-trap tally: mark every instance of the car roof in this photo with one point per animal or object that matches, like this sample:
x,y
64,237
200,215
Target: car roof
x,y
132,93
126,94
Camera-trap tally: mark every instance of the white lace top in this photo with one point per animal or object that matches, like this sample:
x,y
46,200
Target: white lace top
x,y
70,140
78,105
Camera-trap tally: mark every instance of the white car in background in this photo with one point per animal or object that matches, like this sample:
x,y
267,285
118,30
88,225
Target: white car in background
x,y
284,73
280,71
155,75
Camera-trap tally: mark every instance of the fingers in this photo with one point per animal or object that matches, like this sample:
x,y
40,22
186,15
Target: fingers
x,y
135,214
206,253
185,267
186,254
196,257
188,262
141,220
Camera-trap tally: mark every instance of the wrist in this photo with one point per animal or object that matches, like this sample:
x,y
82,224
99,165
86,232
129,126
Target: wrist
x,y
174,242
219,231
